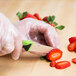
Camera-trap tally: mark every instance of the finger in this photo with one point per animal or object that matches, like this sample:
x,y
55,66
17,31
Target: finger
x,y
52,38
50,34
18,48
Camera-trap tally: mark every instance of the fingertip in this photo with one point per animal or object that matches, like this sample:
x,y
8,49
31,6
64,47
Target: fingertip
x,y
16,54
15,57
52,38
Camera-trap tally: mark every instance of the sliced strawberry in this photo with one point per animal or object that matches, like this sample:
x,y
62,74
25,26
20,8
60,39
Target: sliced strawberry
x,y
53,63
54,54
62,64
72,46
52,24
37,16
72,39
74,60
75,50
45,19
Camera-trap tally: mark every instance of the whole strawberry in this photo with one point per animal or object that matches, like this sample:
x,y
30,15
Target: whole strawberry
x,y
25,15
50,20
37,16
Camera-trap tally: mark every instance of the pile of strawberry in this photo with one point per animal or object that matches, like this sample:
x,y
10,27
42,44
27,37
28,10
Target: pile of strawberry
x,y
56,54
47,19
53,56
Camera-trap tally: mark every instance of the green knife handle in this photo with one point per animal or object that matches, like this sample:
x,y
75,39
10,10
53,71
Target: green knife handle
x,y
27,44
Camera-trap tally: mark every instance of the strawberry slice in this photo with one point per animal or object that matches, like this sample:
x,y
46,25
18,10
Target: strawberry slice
x,y
74,60
72,46
54,54
37,16
53,63
72,39
62,64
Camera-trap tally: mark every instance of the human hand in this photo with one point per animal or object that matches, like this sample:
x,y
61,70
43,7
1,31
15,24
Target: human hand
x,y
10,40
38,31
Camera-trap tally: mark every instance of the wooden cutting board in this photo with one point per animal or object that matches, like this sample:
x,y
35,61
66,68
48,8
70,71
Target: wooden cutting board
x,y
29,64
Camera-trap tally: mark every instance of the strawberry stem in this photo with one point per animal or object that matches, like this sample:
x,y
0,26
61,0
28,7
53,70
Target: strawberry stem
x,y
19,15
61,27
24,13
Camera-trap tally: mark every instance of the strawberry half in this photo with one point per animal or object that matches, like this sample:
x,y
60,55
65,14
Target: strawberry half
x,y
54,54
62,64
72,39
72,46
37,16
74,60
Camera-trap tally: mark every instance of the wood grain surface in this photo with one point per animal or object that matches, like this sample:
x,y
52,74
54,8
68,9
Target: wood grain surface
x,y
29,64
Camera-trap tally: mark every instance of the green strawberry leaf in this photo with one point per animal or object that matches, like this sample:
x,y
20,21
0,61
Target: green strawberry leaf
x,y
52,18
61,27
49,19
43,57
19,15
24,13
55,23
48,60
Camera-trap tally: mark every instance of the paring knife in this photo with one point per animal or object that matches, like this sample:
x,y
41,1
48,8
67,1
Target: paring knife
x,y
35,47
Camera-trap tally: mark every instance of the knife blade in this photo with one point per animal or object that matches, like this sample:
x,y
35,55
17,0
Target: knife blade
x,y
35,47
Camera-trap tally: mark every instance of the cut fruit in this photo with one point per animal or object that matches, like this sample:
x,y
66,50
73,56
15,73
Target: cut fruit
x,y
54,54
62,64
72,39
74,60
72,46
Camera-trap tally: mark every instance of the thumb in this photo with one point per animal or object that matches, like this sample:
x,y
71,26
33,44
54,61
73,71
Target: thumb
x,y
50,34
